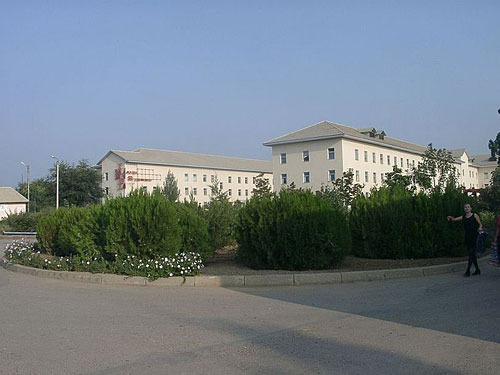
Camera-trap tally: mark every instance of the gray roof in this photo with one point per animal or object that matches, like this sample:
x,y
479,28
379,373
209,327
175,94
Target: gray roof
x,y
10,195
187,159
327,130
483,160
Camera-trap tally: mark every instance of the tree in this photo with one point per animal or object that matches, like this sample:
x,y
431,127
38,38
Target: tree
x,y
436,171
79,185
262,186
170,189
41,197
490,195
342,191
494,146
397,178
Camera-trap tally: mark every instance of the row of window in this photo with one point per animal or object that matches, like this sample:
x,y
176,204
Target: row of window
x,y
213,177
205,192
388,159
330,155
306,177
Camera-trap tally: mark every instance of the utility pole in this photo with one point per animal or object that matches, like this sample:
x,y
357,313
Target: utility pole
x,y
28,181
57,181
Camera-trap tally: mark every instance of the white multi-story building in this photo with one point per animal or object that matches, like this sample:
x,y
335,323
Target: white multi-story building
x,y
318,154
124,171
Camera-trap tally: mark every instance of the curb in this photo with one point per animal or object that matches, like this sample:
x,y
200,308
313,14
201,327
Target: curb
x,y
238,281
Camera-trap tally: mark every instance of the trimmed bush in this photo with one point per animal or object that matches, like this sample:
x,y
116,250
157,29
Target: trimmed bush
x,y
47,230
294,230
140,224
22,222
194,230
393,223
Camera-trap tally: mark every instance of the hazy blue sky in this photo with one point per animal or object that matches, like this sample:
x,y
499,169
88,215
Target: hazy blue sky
x,y
78,78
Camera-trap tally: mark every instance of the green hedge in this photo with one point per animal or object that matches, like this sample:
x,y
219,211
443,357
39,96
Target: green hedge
x,y
22,222
294,230
396,224
142,225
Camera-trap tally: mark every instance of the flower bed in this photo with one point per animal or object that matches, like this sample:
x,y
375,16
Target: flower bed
x,y
181,264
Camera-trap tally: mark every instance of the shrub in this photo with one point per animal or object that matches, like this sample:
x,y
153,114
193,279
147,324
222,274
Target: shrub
x,y
47,230
194,230
22,222
294,230
394,223
488,219
140,224
220,216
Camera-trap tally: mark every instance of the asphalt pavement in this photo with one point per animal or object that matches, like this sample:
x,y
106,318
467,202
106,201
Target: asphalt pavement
x,y
442,324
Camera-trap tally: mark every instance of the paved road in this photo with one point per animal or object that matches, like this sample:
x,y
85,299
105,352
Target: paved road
x,y
434,325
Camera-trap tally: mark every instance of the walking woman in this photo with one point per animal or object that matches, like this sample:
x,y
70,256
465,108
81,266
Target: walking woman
x,y
472,225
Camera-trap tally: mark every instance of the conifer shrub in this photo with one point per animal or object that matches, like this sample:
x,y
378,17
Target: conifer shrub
x,y
292,230
21,222
46,231
394,223
141,224
194,230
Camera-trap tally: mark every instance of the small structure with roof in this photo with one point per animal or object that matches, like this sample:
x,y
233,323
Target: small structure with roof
x,y
11,202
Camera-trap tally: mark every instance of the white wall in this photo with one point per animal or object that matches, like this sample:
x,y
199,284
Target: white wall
x,y
11,208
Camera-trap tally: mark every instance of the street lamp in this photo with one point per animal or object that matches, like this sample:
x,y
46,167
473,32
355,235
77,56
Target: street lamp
x,y
28,180
57,181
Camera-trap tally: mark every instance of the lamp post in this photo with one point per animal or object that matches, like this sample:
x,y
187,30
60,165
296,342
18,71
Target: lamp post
x,y
57,181
28,181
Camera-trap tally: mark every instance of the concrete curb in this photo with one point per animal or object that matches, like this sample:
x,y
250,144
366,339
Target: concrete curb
x,y
237,281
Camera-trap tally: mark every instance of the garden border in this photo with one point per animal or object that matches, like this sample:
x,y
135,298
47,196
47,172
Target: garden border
x,y
235,281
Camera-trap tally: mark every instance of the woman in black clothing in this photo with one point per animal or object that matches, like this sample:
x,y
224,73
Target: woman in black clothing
x,y
472,225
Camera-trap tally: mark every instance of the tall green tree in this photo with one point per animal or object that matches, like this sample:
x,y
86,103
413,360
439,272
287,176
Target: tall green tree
x,y
170,189
262,186
436,171
79,185
494,146
490,195
398,178
41,197
342,191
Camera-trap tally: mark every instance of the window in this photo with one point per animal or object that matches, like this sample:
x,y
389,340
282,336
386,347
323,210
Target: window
x,y
239,180
331,153
463,173
221,185
205,191
366,155
366,177
413,163
239,192
486,175
307,177
407,163
212,178
331,175
395,161
374,157
106,190
283,158
228,179
381,159
357,176
204,178
305,156
186,191
246,192
106,176
186,177
351,170
195,177
374,178
388,160
230,192
253,179
401,162
382,176
246,180
284,179
195,191
356,154
145,189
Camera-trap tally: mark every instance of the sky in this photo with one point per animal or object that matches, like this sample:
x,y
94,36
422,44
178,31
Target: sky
x,y
78,78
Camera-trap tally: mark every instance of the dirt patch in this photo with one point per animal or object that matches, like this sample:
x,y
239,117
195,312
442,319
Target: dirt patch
x,y
224,263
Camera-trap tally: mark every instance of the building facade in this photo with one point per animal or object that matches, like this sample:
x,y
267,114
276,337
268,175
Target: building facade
x,y
318,154
11,202
125,171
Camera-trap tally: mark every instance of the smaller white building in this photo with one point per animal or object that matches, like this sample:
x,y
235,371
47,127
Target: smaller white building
x,y
11,202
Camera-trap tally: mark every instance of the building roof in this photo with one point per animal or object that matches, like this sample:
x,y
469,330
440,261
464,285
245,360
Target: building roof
x,y
328,130
483,160
187,159
10,195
